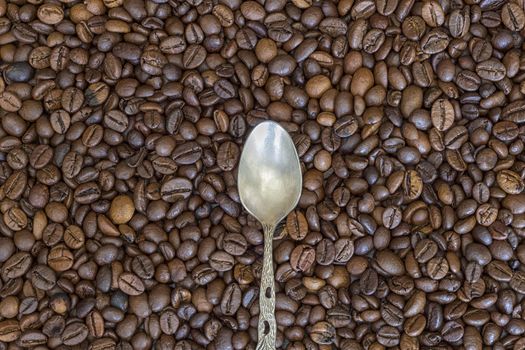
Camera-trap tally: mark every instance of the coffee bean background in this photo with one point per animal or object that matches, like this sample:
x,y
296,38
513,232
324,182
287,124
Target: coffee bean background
x,y
121,128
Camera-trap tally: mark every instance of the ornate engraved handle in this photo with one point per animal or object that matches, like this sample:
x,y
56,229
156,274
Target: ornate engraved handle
x,y
267,329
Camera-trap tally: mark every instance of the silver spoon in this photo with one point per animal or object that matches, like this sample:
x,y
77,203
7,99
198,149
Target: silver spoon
x,y
269,183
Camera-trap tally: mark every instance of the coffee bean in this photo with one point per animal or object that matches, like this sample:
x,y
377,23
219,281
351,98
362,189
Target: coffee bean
x,y
227,156
96,94
74,334
130,284
194,56
17,265
510,182
433,13
425,250
513,16
322,333
72,99
221,261
434,41
10,102
43,277
175,189
234,244
442,114
412,184
15,185
203,274
187,153
95,324
302,257
9,331
143,267
388,336
122,209
60,258
491,69
345,126
169,322
437,268
517,282
18,72
231,299
296,225
344,250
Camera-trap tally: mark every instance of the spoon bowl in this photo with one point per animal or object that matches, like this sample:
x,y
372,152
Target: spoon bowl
x,y
269,183
269,178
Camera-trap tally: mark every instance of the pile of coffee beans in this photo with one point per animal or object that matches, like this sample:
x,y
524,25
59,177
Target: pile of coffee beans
x,y
121,127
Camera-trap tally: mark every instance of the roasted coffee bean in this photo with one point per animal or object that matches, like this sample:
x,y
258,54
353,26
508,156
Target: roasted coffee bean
x,y
130,284
74,334
194,56
17,265
302,257
296,225
231,300
43,277
9,330
491,69
442,114
18,72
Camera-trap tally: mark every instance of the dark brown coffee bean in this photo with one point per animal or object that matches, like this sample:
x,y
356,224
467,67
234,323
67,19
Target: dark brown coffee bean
x,y
345,126
517,282
491,69
130,284
96,94
116,120
228,156
41,156
442,114
433,14
322,333
437,268
95,324
203,274
176,188
231,299
296,225
234,244
17,265
221,261
143,267
74,334
499,270
302,257
15,185
43,277
344,250
173,45
388,336
169,322
187,153
9,330
194,56
425,250
513,16
434,41
412,184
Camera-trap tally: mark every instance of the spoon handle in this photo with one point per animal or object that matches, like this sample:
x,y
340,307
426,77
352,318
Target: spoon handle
x,y
267,329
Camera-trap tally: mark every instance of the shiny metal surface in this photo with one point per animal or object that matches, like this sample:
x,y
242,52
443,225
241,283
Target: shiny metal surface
x,y
269,183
